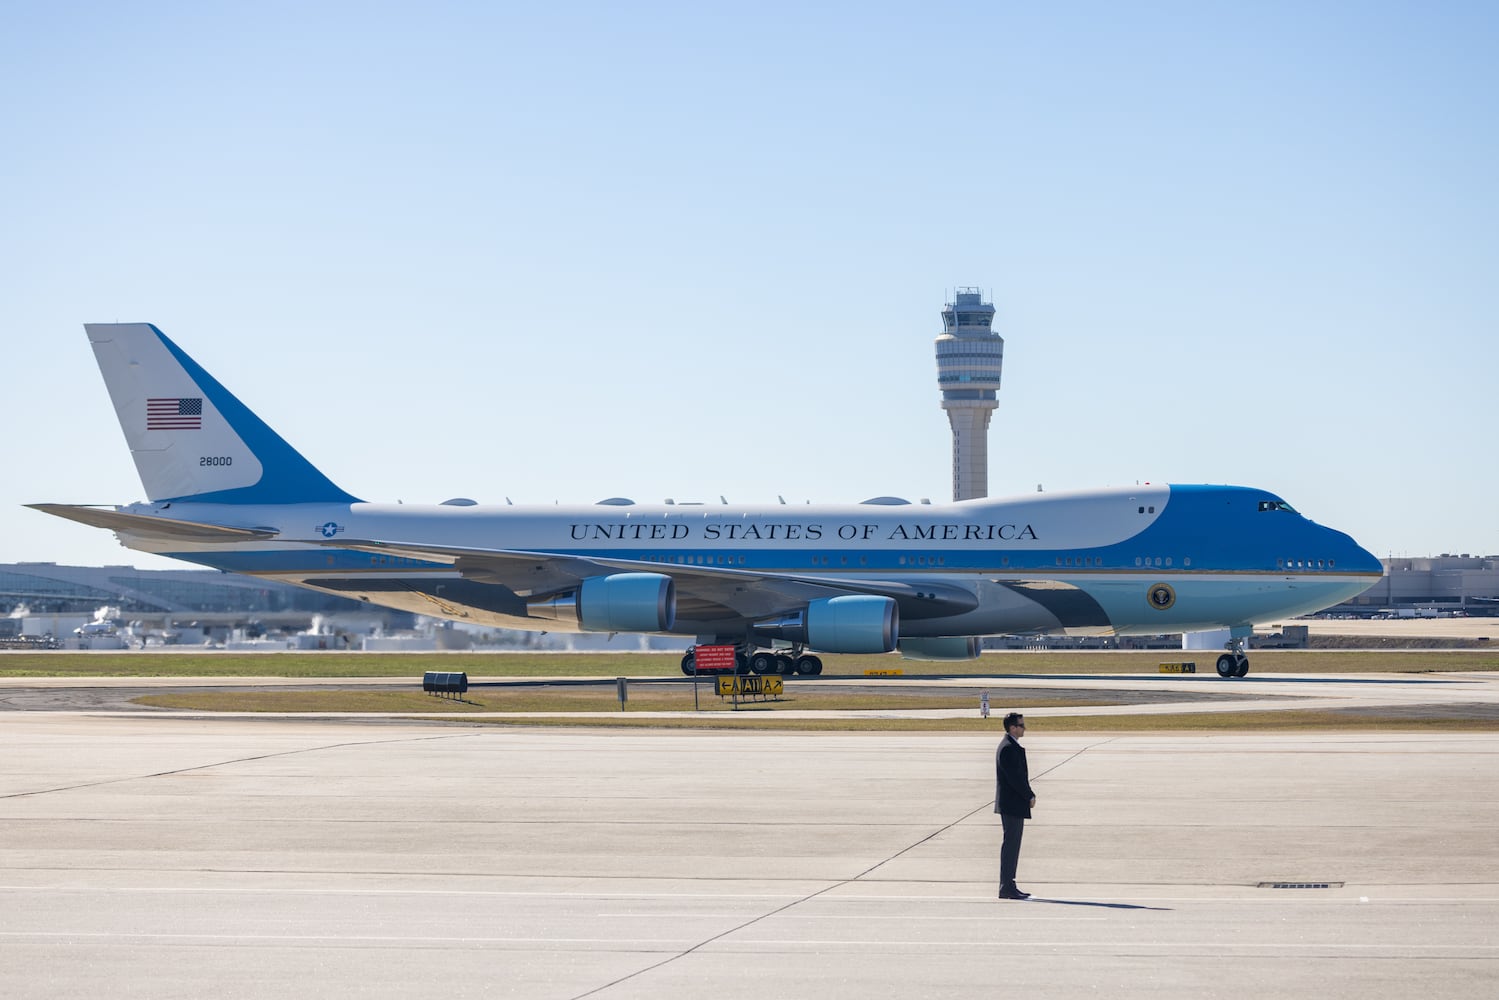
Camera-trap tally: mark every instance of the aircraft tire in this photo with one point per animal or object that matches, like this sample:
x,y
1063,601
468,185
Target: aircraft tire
x,y
785,665
741,664
1226,666
1241,666
687,662
809,666
763,663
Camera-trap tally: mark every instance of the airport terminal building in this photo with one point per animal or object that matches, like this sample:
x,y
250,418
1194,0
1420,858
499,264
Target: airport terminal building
x,y
1444,583
45,598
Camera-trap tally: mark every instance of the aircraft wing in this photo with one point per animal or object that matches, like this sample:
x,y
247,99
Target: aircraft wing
x,y
702,591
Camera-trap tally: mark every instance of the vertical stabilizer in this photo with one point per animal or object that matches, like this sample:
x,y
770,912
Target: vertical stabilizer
x,y
190,437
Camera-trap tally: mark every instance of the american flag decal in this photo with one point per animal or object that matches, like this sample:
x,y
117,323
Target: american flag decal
x,y
175,414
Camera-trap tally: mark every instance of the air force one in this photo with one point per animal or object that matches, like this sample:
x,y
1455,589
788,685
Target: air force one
x,y
778,583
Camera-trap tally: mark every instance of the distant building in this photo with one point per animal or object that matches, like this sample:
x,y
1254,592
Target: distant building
x,y
970,357
172,594
1443,583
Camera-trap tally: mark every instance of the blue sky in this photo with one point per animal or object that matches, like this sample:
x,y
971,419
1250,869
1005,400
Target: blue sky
x,y
687,250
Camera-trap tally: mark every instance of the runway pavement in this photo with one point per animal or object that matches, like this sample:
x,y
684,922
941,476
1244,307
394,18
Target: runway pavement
x,y
151,856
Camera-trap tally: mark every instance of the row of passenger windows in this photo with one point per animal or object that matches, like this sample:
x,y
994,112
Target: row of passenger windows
x,y
842,560
1094,562
1083,562
693,560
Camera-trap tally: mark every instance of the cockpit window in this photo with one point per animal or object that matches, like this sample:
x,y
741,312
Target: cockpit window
x,y
1276,505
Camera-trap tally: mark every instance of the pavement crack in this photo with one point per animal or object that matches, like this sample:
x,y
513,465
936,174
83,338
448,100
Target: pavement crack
x,y
827,888
225,763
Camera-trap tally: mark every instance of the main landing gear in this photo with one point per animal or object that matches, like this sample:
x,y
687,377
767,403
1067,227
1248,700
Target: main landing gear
x,y
747,661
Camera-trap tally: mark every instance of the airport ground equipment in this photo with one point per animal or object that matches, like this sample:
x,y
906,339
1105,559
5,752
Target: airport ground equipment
x,y
438,682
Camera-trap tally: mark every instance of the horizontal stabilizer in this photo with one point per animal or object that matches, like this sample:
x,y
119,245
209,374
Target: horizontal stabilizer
x,y
152,526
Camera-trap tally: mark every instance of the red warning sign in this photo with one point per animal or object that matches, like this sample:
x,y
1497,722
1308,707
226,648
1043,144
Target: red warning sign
x,y
714,659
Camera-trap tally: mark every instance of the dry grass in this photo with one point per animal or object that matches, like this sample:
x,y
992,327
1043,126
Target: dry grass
x,y
1283,721
599,707
603,700
503,665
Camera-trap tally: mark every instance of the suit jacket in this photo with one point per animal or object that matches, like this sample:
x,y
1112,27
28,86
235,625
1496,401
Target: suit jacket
x,y
1012,780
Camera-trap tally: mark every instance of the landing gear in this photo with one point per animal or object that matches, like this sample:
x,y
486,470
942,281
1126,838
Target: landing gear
x,y
765,662
743,663
1234,663
748,660
808,665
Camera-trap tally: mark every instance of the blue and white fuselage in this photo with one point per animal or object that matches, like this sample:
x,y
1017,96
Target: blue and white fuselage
x,y
229,493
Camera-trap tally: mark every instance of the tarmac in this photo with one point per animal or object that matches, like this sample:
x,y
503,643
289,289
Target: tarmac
x,y
157,855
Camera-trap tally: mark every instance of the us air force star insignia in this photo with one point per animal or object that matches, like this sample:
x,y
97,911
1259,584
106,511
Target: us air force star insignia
x,y
330,529
1162,596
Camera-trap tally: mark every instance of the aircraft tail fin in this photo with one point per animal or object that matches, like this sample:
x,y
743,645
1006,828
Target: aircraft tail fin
x,y
190,437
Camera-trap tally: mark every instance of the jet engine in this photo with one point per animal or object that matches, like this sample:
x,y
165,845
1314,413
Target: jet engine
x,y
945,647
852,623
620,602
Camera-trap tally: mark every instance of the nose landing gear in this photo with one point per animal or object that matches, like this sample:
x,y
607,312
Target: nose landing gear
x,y
1234,663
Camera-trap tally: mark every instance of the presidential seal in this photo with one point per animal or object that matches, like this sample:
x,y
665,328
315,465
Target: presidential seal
x,y
1161,596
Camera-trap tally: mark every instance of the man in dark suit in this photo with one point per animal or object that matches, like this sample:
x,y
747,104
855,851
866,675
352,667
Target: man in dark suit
x,y
1013,800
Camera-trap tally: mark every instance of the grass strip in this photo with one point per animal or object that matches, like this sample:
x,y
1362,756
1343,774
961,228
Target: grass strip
x,y
1274,721
601,710
150,663
597,700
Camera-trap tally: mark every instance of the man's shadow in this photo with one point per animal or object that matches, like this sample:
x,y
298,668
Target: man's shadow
x,y
1106,906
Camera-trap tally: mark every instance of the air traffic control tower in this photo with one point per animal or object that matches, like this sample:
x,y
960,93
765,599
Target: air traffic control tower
x,y
969,358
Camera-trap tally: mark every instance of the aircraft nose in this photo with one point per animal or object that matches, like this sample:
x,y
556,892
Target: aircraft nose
x,y
1359,559
1368,561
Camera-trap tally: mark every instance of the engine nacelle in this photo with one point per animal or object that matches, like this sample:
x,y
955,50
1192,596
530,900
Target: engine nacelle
x,y
853,623
944,647
620,602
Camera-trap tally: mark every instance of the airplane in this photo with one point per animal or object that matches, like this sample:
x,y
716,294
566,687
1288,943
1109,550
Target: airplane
x,y
773,584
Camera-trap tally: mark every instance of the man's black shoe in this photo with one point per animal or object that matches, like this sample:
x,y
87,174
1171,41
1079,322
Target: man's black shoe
x,y
1013,892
